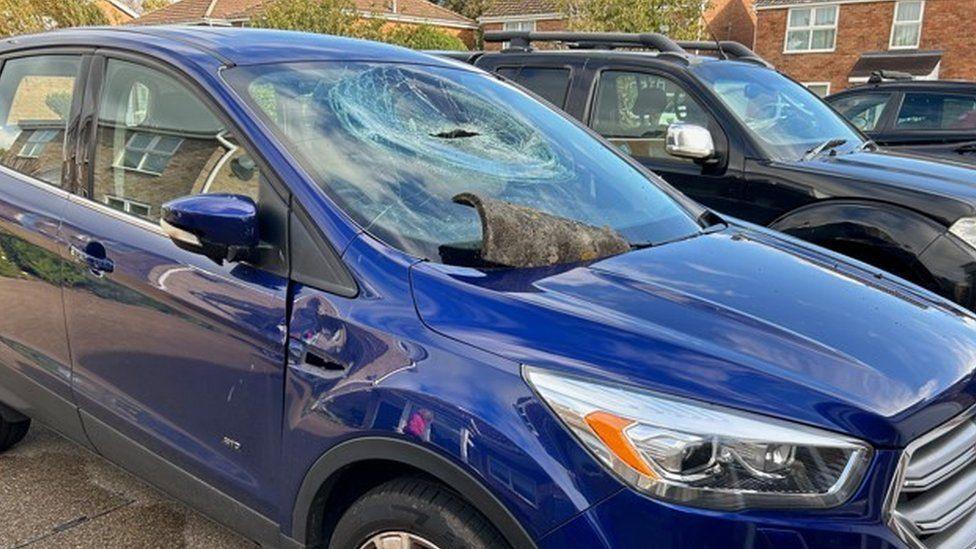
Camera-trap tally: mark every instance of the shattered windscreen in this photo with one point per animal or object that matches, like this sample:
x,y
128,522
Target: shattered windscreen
x,y
394,144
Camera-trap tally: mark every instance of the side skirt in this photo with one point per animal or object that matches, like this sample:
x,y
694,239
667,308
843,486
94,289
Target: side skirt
x,y
183,486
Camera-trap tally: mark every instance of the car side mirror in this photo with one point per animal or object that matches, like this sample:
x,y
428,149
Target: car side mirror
x,y
690,141
223,227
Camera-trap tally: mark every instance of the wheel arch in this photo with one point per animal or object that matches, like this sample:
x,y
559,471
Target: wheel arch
x,y
871,227
323,477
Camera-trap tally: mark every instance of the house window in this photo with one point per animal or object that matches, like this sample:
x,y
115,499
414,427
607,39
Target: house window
x,y
906,30
128,206
517,26
36,142
812,29
148,153
822,89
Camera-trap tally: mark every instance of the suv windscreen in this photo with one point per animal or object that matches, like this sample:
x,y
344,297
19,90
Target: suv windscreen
x,y
394,144
783,117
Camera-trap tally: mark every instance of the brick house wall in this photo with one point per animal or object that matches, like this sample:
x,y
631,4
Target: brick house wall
x,y
542,25
866,27
732,20
725,20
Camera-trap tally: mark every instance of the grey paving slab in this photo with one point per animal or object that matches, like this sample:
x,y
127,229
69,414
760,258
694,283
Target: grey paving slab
x,y
56,494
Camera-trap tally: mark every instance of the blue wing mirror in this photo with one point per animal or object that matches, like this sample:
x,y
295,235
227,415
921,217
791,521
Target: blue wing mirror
x,y
223,227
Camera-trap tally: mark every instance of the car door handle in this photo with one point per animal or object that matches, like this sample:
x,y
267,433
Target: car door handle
x,y
93,256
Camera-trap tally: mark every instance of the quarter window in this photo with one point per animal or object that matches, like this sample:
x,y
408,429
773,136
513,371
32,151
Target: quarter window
x,y
157,141
812,29
906,30
35,99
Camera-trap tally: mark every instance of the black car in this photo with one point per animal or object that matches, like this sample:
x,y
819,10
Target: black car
x,y
727,129
934,118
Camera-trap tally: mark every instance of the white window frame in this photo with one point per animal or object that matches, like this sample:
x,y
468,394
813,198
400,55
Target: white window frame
x,y
808,85
518,23
127,205
896,23
812,8
145,152
38,139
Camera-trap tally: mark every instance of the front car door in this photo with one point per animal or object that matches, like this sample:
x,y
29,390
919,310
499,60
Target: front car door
x,y
634,108
37,93
174,353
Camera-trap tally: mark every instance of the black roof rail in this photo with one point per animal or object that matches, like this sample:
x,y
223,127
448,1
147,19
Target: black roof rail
x,y
727,48
885,76
522,40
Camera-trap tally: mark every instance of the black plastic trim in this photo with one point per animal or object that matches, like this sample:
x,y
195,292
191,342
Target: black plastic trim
x,y
414,455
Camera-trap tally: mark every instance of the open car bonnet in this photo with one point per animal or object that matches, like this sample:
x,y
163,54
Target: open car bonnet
x,y
739,317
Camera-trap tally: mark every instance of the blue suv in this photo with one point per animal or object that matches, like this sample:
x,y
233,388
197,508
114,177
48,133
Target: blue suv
x,y
340,294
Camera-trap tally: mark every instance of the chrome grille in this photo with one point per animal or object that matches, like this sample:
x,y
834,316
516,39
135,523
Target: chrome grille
x,y
932,504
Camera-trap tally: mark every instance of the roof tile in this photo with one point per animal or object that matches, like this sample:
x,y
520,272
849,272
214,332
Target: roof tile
x,y
502,8
196,11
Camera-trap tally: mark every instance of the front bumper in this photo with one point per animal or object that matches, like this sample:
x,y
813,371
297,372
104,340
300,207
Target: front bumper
x,y
631,520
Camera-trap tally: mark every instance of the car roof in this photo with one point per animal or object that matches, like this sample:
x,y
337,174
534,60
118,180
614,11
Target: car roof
x,y
603,54
230,45
940,85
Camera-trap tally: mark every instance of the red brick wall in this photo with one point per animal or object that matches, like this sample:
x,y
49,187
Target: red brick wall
x,y
732,20
948,25
543,25
866,27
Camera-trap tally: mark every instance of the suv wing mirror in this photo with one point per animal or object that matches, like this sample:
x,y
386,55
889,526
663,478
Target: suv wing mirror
x,y
223,227
690,141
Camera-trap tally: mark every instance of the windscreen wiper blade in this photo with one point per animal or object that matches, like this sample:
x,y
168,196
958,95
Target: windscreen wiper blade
x,y
828,145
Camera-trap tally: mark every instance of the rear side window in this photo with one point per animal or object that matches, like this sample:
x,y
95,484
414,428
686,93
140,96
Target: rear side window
x,y
863,110
549,83
35,99
936,111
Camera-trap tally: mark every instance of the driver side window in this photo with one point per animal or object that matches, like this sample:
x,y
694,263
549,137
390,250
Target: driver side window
x,y
157,141
634,111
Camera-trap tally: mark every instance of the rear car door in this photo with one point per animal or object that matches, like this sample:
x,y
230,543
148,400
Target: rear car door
x,y
37,93
175,356
937,124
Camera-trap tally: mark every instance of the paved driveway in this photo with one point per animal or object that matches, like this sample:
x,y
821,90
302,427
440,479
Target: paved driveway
x,y
56,494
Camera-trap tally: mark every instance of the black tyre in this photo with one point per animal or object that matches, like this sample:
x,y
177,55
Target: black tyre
x,y
414,513
12,432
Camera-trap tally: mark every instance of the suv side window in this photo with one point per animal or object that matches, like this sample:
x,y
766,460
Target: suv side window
x,y
937,111
547,82
634,111
158,141
863,110
35,99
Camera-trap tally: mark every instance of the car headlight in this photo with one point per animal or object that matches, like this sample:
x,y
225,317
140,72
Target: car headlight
x,y
701,455
965,229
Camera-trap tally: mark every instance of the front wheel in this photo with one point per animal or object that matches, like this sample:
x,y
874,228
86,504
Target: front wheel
x,y
12,432
413,513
